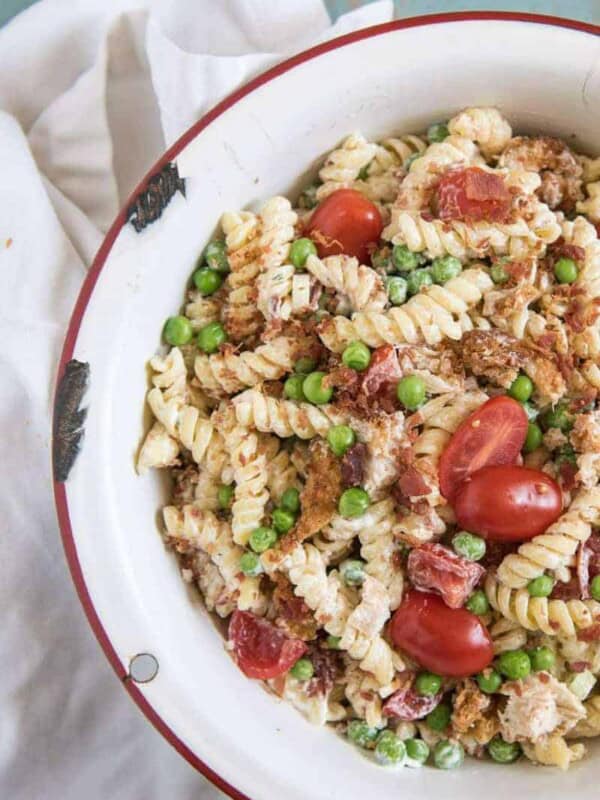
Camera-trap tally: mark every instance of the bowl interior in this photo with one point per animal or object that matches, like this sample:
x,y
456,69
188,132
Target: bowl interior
x,y
545,79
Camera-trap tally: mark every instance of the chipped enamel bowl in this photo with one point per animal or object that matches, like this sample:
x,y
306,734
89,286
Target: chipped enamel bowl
x,y
545,76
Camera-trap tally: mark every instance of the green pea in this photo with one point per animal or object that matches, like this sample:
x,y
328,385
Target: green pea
x,y
557,417
595,587
308,198
565,270
489,681
302,670
290,500
445,268
340,438
478,603
382,260
531,411
313,389
360,733
534,438
540,587
353,571
390,750
542,658
404,259
283,521
514,664
417,280
225,495
521,388
178,331
411,160
262,539
448,755
333,642
427,683
207,280
503,752
211,337
439,719
469,546
292,388
417,750
250,564
396,289
300,250
356,356
498,273
411,392
353,502
305,365
215,256
437,132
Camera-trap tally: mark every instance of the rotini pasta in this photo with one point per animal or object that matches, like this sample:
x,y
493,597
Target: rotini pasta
x,y
361,285
254,409
485,126
343,165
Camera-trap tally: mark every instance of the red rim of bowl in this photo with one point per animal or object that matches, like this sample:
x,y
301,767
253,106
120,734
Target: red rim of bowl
x,y
60,496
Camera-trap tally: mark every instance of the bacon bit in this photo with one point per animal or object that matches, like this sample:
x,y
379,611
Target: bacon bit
x,y
581,314
560,249
319,496
353,464
495,552
427,216
566,591
328,667
543,677
591,634
473,195
567,475
343,378
434,567
292,614
412,484
383,371
407,705
579,666
493,355
547,340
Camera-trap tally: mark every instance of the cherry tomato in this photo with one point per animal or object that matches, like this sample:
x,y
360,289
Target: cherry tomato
x,y
494,434
447,641
508,503
345,222
260,649
472,194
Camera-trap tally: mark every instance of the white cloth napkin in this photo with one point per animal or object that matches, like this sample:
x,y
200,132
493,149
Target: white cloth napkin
x,y
91,91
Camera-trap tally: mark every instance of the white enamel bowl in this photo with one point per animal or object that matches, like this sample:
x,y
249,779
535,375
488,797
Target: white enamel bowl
x,y
545,76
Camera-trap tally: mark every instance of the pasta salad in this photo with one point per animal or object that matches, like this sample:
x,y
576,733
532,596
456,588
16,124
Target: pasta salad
x,y
379,409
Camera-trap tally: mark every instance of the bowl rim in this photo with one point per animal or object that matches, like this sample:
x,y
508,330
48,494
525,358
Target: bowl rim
x,y
85,293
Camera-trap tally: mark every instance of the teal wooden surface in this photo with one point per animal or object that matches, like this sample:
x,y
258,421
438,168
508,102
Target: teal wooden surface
x,y
8,8
586,10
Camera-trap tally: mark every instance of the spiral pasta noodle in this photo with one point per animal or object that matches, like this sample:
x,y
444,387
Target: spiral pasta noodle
x,y
192,527
361,285
343,165
553,617
591,205
430,316
229,372
485,126
254,409
379,549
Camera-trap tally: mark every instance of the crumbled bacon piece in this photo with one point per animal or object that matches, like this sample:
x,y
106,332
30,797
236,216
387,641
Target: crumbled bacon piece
x,y
566,591
591,634
473,195
567,475
292,614
380,378
328,667
579,666
411,483
353,465
496,552
588,564
433,567
407,705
